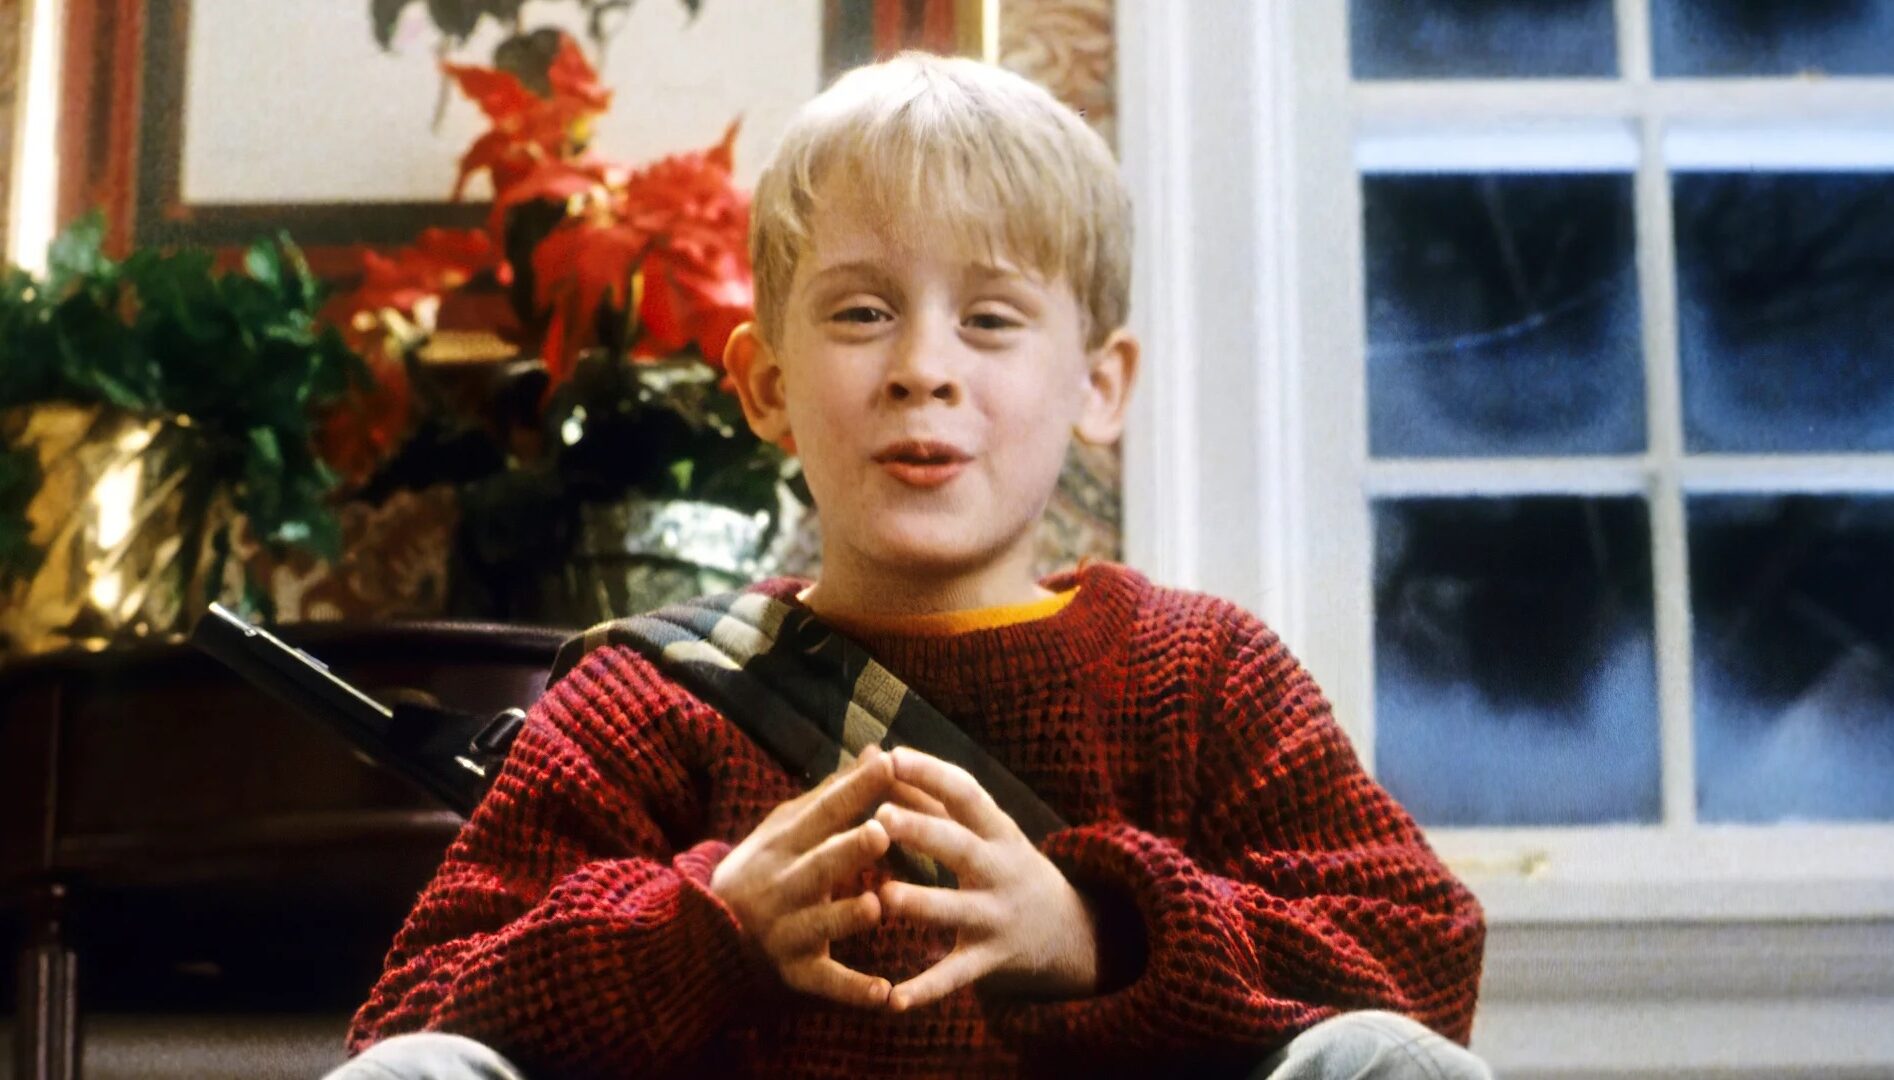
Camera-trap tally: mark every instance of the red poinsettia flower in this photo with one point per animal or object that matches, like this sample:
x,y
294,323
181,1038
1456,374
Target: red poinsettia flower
x,y
558,180
685,305
665,248
381,319
528,129
439,261
580,266
673,237
572,78
360,432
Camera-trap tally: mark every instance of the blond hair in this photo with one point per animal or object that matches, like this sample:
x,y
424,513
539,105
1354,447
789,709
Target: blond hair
x,y
992,155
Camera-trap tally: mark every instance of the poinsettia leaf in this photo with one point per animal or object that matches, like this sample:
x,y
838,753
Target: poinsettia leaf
x,y
723,155
489,153
555,181
552,180
662,314
574,79
386,15
438,261
696,301
454,256
360,432
586,266
553,350
499,94
714,327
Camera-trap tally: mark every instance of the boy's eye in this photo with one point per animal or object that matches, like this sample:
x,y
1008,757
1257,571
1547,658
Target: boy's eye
x,y
859,314
991,320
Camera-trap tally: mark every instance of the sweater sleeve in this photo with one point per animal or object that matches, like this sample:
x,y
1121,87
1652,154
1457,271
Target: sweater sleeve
x,y
564,927
1302,890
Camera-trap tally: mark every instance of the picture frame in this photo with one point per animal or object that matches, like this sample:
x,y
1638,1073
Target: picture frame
x,y
124,127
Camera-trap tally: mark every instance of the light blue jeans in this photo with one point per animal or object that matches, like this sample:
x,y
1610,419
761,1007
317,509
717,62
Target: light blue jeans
x,y
1352,1046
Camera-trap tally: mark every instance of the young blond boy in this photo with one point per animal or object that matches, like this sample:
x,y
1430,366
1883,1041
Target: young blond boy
x,y
942,260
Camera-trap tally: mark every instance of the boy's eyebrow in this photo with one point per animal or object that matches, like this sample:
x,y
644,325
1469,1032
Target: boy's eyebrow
x,y
991,272
863,267
877,273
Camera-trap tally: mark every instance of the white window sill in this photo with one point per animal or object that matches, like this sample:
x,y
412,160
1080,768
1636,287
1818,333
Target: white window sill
x,y
1708,874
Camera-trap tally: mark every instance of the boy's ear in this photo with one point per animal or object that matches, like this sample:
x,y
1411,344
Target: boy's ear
x,y
1113,368
759,383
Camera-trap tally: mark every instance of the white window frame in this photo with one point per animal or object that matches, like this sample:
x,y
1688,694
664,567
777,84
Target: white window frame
x,y
1246,464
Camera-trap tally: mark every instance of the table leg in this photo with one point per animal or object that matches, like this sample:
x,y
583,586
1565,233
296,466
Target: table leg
x,y
46,1033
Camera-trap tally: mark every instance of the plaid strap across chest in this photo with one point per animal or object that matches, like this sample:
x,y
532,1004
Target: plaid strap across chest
x,y
811,697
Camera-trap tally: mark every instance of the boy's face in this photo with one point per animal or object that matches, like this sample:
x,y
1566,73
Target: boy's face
x,y
893,336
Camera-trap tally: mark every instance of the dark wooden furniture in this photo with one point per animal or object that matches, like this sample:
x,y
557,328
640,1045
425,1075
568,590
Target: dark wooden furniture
x,y
172,840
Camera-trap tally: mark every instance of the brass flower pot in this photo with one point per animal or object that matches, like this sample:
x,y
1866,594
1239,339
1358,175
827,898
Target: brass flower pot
x,y
638,554
128,527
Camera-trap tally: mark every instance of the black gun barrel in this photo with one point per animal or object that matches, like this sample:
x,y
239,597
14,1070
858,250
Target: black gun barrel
x,y
289,674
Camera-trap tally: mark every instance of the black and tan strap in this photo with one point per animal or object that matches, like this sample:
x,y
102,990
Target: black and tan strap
x,y
807,694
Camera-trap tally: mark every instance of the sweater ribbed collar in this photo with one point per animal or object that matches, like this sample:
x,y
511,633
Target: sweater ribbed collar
x,y
1101,614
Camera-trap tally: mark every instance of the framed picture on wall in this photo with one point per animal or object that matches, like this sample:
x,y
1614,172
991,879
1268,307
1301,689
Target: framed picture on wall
x,y
214,122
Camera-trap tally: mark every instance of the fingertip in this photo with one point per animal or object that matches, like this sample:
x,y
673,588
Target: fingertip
x,y
873,766
871,907
883,991
886,815
875,835
898,1001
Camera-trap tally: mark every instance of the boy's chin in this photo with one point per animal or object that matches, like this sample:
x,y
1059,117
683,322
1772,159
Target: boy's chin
x,y
935,552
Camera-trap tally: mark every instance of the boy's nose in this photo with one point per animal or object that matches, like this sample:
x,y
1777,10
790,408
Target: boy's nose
x,y
903,387
920,371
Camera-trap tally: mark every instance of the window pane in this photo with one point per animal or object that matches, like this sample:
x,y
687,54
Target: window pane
x,y
1515,672
1785,295
1502,315
1794,655
1772,37
1405,39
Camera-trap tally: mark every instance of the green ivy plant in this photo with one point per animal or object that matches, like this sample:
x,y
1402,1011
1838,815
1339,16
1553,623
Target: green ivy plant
x,y
235,363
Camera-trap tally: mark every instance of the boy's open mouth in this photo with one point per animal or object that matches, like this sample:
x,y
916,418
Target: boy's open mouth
x,y
922,464
919,452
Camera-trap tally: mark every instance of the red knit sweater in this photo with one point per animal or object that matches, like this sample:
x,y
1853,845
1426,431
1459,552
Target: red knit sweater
x,y
1252,879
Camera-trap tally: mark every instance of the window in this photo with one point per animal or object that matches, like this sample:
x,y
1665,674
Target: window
x,y
1560,328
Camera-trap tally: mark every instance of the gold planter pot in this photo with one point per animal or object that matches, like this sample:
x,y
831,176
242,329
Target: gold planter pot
x,y
126,524
638,554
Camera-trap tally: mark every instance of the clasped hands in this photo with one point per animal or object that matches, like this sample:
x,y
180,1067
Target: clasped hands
x,y
1020,927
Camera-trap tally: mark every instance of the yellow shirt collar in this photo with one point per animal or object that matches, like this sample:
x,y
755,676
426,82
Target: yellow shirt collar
x,y
958,622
